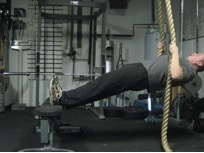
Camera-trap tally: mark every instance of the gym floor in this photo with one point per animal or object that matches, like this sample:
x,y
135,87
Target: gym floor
x,y
107,135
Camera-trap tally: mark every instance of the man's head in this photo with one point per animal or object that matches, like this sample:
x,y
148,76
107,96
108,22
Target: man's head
x,y
197,60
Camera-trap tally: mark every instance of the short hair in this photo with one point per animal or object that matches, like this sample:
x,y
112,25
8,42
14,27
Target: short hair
x,y
200,69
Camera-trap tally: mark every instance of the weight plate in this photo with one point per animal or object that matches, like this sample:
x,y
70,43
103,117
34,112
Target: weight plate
x,y
112,111
198,125
133,113
194,85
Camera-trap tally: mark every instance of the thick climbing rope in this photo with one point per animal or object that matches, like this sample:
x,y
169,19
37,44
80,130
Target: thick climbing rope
x,y
168,83
160,51
167,96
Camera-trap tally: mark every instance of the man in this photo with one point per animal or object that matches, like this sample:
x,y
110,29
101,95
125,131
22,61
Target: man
x,y
150,75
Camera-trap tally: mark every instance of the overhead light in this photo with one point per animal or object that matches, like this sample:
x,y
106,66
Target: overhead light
x,y
74,2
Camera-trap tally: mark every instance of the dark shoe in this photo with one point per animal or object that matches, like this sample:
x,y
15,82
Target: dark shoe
x,y
55,91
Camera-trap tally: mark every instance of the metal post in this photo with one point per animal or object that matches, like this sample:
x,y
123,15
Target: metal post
x,y
181,28
20,46
197,15
38,56
93,53
100,114
181,54
37,72
103,51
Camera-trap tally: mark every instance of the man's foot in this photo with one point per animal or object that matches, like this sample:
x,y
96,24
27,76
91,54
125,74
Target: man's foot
x,y
55,91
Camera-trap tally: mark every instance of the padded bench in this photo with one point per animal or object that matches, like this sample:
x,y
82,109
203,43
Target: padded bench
x,y
47,115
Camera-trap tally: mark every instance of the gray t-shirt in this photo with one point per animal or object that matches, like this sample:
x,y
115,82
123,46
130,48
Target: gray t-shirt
x,y
157,72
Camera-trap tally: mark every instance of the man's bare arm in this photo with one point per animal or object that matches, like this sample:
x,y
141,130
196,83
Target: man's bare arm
x,y
175,69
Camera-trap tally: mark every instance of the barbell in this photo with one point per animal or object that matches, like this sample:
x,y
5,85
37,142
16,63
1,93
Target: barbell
x,y
50,73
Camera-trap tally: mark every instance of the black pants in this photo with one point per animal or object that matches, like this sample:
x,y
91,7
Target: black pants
x,y
129,77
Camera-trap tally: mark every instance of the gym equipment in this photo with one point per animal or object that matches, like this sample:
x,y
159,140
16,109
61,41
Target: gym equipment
x,y
65,128
127,113
46,73
2,96
184,107
109,54
112,111
133,113
20,46
183,104
62,128
198,125
151,100
120,98
194,86
98,8
48,114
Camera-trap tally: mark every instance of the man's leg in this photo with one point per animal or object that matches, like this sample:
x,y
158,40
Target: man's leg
x,y
129,77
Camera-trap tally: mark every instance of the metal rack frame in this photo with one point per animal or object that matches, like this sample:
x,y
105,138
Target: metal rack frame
x,y
100,6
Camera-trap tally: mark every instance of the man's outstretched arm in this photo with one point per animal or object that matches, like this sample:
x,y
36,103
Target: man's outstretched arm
x,y
175,69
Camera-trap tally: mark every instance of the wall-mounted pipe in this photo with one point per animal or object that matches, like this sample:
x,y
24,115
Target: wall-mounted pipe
x,y
90,40
153,13
148,25
181,28
193,38
197,16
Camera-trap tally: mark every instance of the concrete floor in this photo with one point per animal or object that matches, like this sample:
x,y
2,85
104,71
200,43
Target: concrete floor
x,y
107,135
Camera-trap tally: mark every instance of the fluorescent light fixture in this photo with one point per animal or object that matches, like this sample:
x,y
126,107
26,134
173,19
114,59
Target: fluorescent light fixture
x,y
74,2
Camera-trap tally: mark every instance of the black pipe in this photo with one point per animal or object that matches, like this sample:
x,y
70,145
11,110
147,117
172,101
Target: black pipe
x,y
153,12
127,35
90,40
94,44
192,38
115,35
